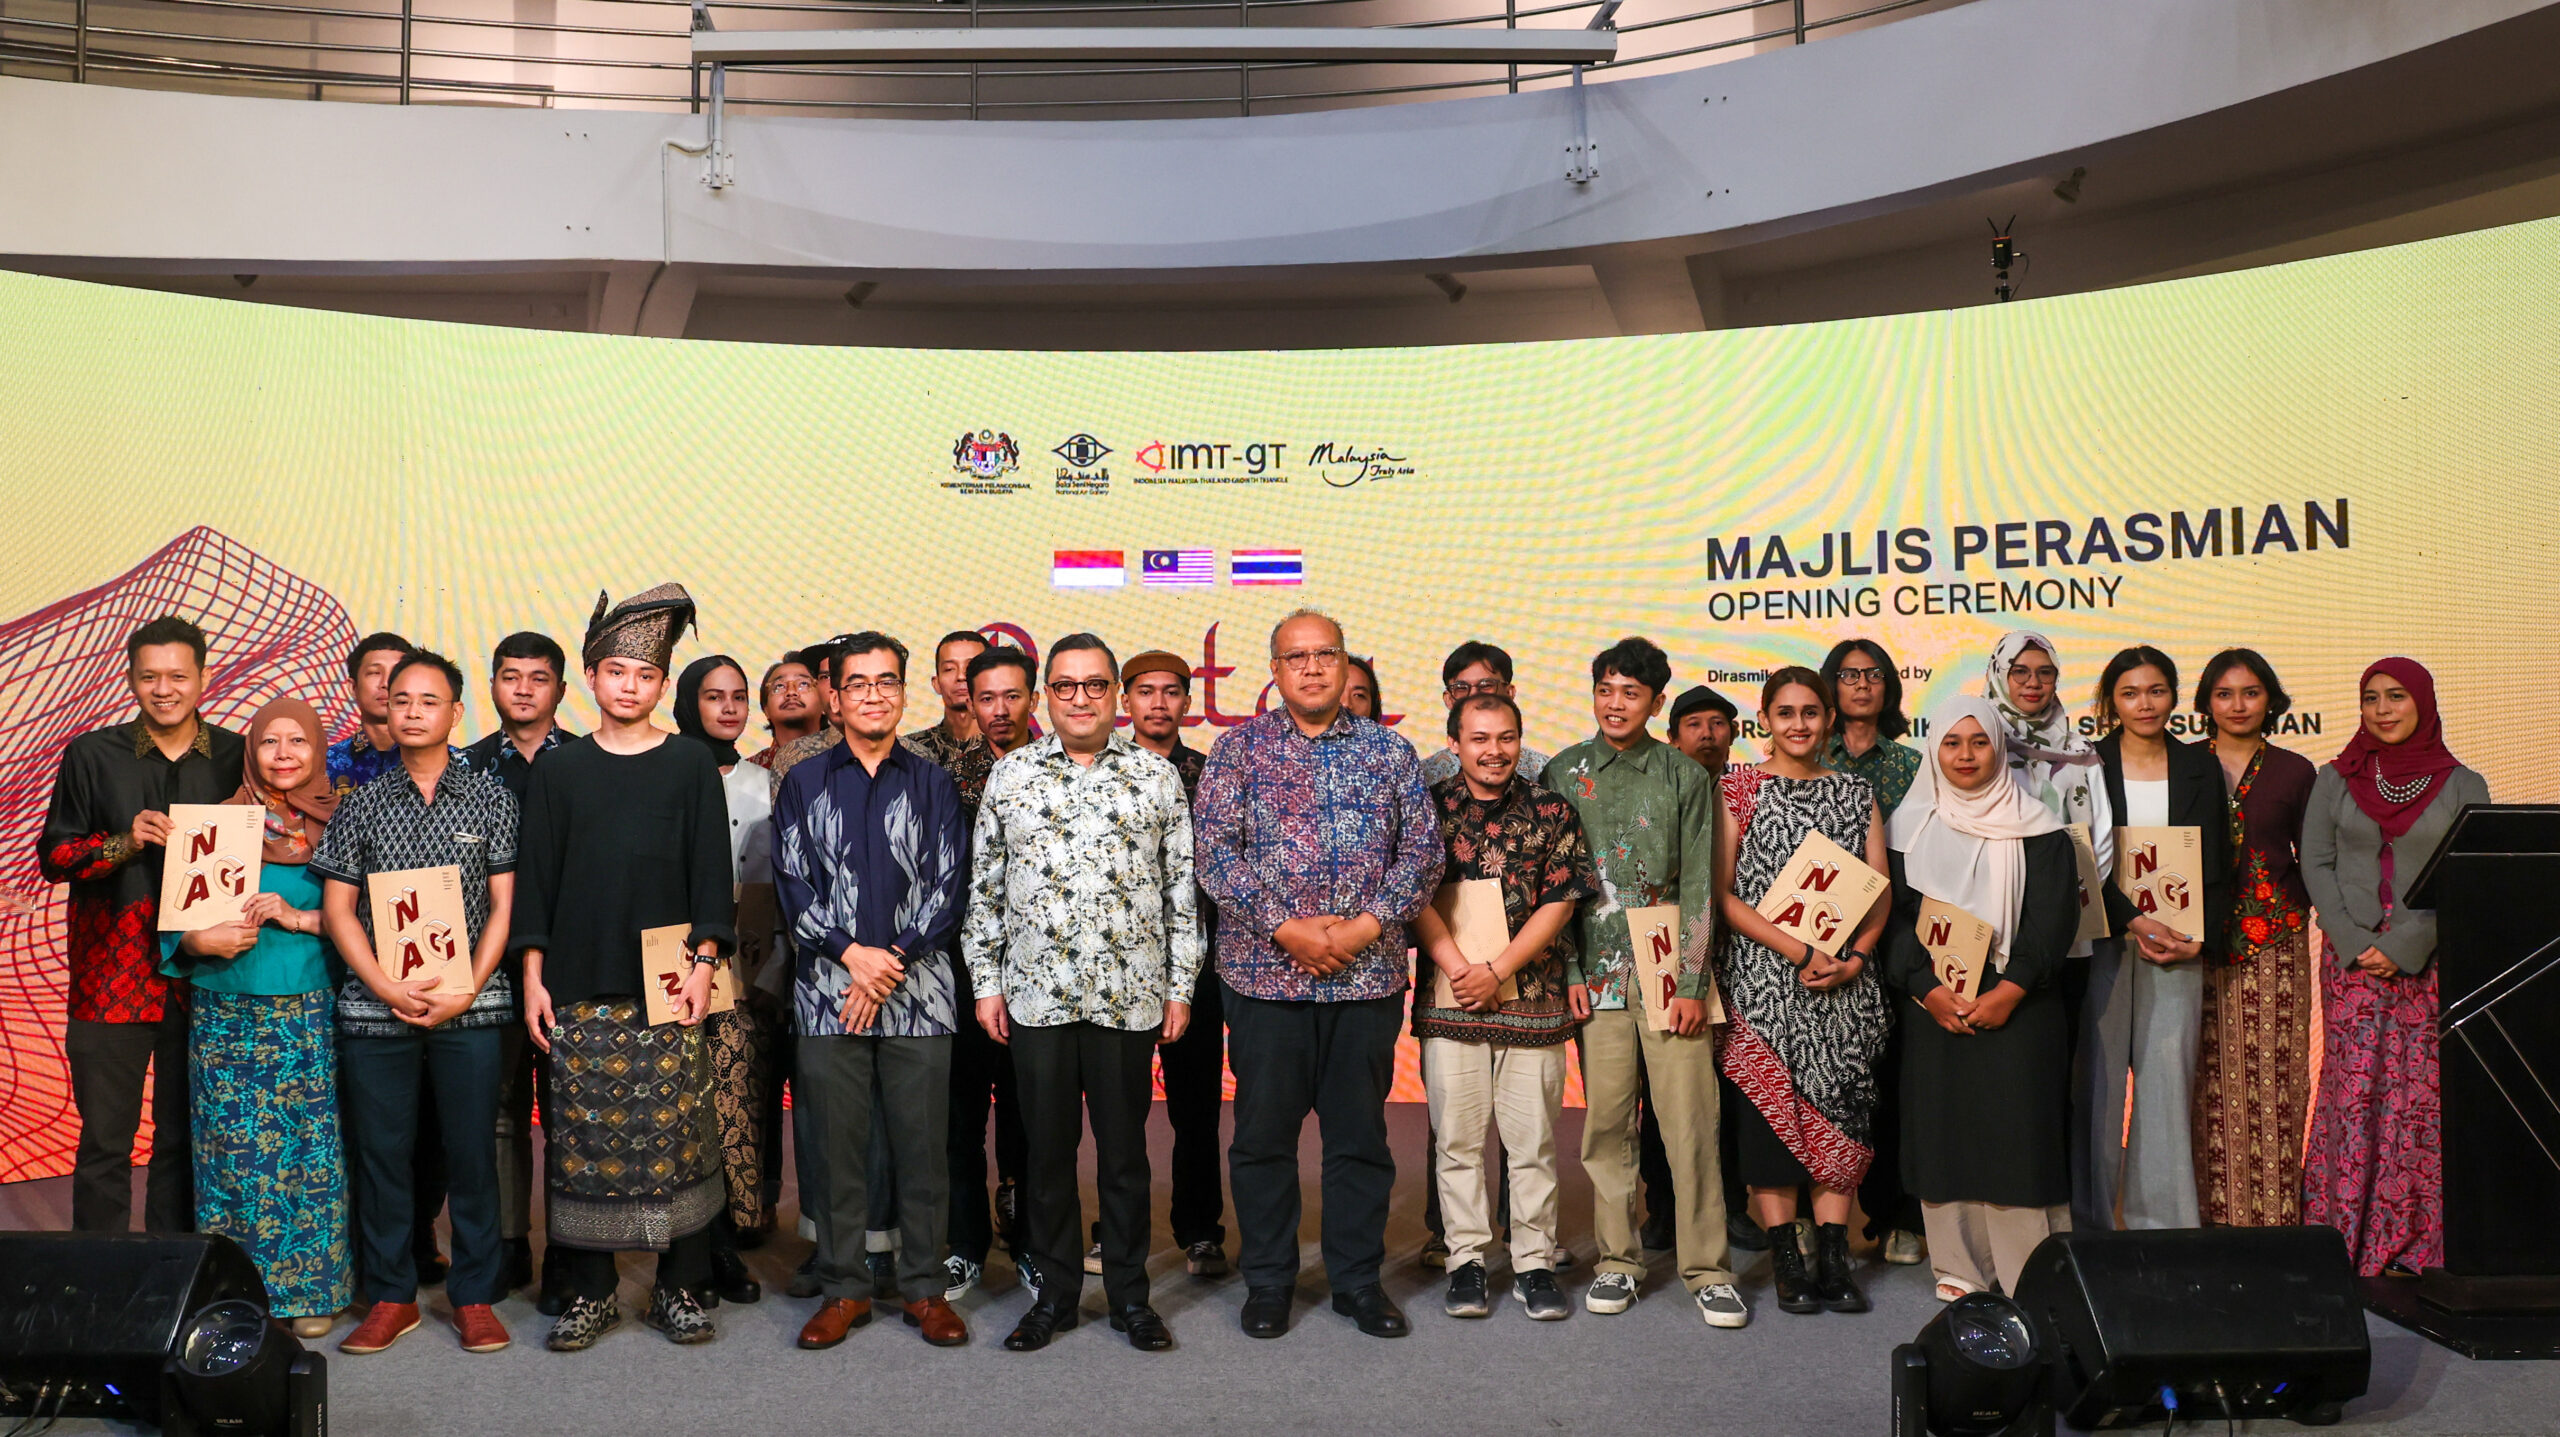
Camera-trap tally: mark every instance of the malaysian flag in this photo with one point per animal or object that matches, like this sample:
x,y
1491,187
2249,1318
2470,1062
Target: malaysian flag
x,y
1178,568
1088,569
1267,566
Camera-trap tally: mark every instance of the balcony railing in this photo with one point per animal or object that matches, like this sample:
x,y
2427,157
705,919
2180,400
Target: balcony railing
x,y
635,54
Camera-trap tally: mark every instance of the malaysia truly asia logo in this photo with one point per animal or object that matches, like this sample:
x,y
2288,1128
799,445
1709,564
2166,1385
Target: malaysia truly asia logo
x,y
986,454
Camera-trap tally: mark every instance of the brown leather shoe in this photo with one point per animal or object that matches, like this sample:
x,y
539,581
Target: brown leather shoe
x,y
834,1318
941,1326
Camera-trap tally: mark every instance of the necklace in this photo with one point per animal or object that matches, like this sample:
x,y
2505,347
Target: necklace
x,y
2403,793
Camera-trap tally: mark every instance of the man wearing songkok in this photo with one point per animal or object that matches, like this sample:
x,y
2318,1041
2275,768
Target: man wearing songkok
x,y
1082,946
626,831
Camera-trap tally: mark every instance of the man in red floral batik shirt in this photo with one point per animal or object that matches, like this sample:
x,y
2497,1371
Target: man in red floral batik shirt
x,y
104,835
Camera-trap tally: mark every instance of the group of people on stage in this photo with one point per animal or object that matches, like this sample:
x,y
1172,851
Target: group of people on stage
x,y
916,931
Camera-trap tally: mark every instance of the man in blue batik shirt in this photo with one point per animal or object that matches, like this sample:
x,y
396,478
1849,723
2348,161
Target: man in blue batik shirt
x,y
870,868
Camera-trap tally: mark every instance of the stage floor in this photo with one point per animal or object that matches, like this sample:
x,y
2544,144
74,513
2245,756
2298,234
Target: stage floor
x,y
1654,1369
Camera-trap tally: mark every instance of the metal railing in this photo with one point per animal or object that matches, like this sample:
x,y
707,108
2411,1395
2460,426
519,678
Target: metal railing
x,y
635,54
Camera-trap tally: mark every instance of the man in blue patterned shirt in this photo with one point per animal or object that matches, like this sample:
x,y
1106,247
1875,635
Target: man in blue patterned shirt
x,y
1318,842
869,867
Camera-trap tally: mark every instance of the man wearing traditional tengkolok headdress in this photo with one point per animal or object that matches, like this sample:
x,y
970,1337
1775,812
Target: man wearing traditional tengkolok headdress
x,y
625,832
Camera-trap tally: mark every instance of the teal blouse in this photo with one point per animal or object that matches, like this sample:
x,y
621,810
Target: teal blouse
x,y
280,963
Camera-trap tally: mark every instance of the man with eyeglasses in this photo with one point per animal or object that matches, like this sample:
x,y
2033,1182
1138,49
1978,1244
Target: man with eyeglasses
x,y
1472,668
820,659
1082,945
1156,693
789,698
870,868
1319,843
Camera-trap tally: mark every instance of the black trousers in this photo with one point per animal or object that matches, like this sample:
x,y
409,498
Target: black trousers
x,y
379,1085
1063,1073
981,1076
834,1082
1888,1207
108,1061
685,1264
1337,1061
1194,1098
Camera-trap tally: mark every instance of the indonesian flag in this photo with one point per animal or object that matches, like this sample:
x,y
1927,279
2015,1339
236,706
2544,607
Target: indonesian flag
x,y
1088,569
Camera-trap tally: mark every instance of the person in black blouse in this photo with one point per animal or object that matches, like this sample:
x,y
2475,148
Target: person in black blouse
x,y
1985,1125
2143,1017
624,832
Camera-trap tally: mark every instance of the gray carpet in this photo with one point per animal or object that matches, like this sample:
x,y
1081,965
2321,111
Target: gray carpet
x,y
1654,1369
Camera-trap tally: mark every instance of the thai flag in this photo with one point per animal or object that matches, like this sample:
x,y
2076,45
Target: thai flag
x,y
1178,568
1088,569
1267,566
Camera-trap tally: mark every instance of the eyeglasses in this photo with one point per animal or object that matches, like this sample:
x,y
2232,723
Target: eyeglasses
x,y
1462,690
793,686
1305,659
1064,689
1865,676
865,688
2042,674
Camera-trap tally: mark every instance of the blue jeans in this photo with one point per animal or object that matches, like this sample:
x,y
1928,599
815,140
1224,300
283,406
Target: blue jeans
x,y
378,1088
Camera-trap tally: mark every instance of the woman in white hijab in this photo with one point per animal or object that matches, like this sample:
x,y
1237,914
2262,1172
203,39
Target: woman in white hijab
x,y
2051,760
1985,1079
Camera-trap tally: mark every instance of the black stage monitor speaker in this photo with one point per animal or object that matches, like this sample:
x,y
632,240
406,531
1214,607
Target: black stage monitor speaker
x,y
94,1324
2200,1322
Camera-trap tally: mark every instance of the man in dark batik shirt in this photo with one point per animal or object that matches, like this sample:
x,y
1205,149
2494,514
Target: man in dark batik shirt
x,y
1156,692
1488,1054
104,835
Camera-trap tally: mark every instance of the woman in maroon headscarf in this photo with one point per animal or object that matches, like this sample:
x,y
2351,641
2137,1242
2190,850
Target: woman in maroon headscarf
x,y
2375,1169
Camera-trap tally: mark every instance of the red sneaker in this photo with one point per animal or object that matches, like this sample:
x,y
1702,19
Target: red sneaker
x,y
384,1324
480,1328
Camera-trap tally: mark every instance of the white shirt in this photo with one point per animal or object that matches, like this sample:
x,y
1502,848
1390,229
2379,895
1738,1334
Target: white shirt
x,y
2146,803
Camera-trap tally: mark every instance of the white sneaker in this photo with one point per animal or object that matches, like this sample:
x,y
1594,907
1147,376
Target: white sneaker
x,y
1904,1249
959,1274
1722,1306
1610,1292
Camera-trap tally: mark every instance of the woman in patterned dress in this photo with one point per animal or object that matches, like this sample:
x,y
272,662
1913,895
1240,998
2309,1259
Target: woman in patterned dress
x,y
2379,811
262,1043
2253,1064
1806,1031
711,709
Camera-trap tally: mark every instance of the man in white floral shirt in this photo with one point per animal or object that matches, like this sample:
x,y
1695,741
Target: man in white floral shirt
x,y
1083,942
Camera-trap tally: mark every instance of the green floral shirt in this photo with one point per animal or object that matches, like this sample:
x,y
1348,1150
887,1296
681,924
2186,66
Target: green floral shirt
x,y
1650,817
1888,768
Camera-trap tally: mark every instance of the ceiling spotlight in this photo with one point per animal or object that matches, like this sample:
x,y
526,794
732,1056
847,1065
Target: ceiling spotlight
x,y
860,292
1449,285
2069,190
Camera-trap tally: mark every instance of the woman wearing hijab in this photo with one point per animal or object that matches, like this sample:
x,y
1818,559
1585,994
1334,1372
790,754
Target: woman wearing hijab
x,y
262,1042
1985,1102
2378,812
712,709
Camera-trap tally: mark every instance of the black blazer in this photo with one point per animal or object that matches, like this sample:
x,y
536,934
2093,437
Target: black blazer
x,y
2198,798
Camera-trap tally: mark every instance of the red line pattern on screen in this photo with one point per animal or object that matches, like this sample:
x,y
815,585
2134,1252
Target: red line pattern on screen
x,y
62,674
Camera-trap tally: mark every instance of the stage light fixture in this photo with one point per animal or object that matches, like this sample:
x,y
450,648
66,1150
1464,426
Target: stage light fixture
x,y
1979,1369
235,1370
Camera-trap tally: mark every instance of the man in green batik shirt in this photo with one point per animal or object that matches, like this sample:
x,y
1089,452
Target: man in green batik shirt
x,y
1869,694
1649,812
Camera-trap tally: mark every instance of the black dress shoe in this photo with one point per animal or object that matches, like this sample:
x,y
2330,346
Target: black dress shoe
x,y
1374,1311
1146,1330
519,1263
555,1281
804,1279
1044,1321
729,1277
1266,1311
